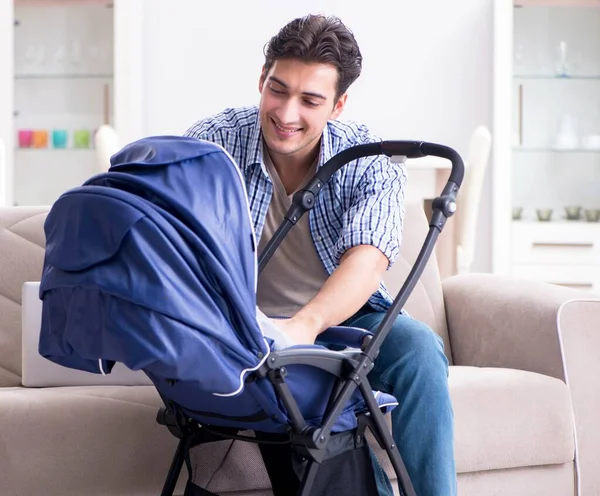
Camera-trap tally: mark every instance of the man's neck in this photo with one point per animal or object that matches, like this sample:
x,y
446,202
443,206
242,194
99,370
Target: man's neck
x,y
292,169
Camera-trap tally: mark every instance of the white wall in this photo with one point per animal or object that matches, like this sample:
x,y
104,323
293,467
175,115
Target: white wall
x,y
427,67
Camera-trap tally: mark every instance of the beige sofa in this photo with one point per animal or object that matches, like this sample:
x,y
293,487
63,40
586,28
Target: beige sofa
x,y
520,429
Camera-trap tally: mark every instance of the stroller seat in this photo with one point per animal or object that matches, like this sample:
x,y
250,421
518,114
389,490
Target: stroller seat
x,y
154,264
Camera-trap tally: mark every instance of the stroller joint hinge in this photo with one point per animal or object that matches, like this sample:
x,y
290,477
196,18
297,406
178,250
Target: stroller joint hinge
x,y
279,375
177,424
312,439
361,370
316,454
446,204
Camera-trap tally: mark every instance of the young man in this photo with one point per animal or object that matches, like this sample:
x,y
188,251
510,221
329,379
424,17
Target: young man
x,y
329,268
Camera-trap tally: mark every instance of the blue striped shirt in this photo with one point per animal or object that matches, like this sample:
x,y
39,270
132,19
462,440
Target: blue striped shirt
x,y
362,204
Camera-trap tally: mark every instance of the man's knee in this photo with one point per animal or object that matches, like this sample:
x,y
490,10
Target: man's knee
x,y
411,349
412,335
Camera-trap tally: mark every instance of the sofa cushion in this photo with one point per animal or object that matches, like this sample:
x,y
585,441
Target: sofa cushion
x,y
108,436
503,419
507,418
71,441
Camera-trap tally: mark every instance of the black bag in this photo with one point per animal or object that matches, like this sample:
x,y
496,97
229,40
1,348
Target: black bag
x,y
346,470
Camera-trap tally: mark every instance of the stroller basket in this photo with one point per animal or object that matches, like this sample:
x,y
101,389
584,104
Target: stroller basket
x,y
143,268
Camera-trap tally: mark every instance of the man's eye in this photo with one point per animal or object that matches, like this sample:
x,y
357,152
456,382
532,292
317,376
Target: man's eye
x,y
276,92
310,103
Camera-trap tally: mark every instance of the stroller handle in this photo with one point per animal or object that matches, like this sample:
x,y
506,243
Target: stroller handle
x,y
398,151
416,149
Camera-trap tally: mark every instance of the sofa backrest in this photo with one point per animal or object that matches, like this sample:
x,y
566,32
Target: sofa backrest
x,y
21,258
22,254
426,302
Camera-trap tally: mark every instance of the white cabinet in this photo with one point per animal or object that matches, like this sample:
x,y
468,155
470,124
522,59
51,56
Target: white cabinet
x,y
546,174
71,67
565,253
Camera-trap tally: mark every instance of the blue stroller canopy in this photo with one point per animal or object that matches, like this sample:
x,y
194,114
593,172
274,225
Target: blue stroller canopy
x,y
167,230
153,264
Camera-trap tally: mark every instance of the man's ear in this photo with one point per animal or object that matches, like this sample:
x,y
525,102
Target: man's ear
x,y
339,106
261,79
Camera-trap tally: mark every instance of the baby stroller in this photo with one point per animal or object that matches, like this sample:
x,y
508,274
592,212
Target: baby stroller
x,y
153,264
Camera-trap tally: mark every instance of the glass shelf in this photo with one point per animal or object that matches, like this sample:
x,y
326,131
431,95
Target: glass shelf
x,y
592,77
561,221
524,149
63,76
50,149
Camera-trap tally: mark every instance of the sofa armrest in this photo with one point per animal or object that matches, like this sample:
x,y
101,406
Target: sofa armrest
x,y
497,321
579,331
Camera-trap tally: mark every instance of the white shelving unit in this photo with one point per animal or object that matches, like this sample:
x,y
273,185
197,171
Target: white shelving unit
x,y
547,140
71,66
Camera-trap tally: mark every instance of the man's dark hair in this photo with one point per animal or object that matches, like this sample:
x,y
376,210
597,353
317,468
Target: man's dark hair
x,y
321,39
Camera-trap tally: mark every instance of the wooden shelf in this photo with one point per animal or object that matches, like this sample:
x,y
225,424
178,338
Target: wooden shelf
x,y
557,3
51,149
68,3
591,77
524,149
62,76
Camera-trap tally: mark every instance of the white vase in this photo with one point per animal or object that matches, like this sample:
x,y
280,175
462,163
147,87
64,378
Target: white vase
x,y
566,137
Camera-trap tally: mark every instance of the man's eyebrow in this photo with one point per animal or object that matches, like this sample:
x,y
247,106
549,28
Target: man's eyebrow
x,y
306,93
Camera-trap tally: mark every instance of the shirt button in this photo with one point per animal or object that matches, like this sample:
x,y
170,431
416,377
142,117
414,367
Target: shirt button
x,y
319,238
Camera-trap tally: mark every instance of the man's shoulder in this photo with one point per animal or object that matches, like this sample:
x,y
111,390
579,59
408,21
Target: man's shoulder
x,y
344,134
228,121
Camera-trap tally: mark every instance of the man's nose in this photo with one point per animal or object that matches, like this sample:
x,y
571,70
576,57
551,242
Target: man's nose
x,y
289,112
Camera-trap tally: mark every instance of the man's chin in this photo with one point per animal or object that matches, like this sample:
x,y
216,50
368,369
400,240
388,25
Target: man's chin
x,y
282,148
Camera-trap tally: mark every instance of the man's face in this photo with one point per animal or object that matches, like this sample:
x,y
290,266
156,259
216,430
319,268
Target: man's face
x,y
297,100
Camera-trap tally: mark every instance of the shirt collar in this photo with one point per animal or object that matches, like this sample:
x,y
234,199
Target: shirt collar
x,y
326,146
255,153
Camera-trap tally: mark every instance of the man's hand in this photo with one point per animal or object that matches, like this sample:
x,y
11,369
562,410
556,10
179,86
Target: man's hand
x,y
299,331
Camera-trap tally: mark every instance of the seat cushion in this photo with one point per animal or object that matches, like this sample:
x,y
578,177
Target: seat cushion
x,y
503,419
508,418
71,441
105,440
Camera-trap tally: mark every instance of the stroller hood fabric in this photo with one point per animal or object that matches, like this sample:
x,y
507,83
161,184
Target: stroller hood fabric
x,y
153,264
131,239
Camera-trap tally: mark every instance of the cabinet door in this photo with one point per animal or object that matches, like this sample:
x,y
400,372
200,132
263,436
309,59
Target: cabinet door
x,y
67,77
581,277
548,243
63,92
547,131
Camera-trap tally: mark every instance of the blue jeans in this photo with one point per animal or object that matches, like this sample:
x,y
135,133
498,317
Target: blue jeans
x,y
412,367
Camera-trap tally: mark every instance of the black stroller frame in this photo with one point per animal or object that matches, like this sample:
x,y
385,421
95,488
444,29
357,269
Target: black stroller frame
x,y
349,367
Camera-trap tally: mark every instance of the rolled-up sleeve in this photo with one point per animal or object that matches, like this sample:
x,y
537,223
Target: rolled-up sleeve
x,y
376,212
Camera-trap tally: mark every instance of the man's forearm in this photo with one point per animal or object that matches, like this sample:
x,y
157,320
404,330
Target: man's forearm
x,y
345,291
